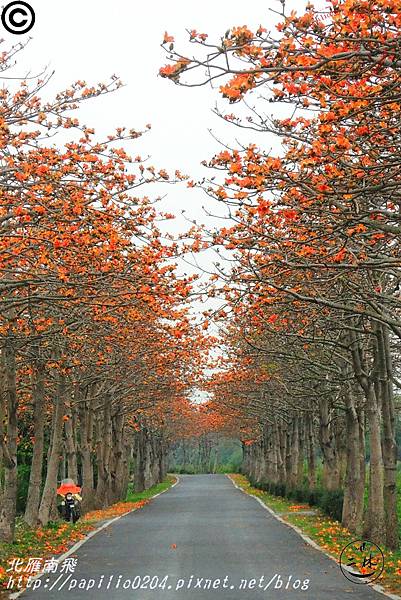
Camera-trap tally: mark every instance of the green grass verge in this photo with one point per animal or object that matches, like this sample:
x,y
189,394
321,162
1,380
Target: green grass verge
x,y
133,496
277,503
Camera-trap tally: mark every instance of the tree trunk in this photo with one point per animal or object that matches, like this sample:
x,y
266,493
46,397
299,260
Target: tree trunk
x,y
86,423
354,484
71,448
311,453
117,469
389,446
293,451
375,518
331,471
35,479
282,471
139,479
8,414
301,451
103,451
49,492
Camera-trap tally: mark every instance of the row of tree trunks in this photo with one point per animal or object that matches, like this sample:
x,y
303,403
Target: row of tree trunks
x,y
285,447
361,417
373,372
279,455
199,454
150,459
86,437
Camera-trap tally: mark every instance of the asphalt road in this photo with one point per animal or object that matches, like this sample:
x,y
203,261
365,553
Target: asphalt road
x,y
202,540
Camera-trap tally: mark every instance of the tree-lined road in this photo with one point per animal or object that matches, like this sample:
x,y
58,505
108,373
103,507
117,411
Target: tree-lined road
x,y
202,529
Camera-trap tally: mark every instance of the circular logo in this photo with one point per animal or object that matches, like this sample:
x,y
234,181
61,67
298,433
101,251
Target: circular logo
x,y
18,17
362,561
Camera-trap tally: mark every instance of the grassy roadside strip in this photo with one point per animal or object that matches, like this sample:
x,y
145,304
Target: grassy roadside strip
x,y
327,533
58,536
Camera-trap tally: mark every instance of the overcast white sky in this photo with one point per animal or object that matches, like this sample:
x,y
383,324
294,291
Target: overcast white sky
x,y
93,39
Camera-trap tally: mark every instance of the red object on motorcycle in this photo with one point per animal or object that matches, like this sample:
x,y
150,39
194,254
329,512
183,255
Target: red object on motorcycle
x,y
68,487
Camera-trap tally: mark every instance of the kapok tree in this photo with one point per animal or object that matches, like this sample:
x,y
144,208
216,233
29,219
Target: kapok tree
x,y
323,209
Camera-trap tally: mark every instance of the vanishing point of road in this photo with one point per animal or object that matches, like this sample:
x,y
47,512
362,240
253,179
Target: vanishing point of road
x,y
204,539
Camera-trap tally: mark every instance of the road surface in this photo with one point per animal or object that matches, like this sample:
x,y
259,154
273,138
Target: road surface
x,y
202,540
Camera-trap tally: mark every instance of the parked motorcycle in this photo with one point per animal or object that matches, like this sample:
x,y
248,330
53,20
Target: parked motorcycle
x,y
70,505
